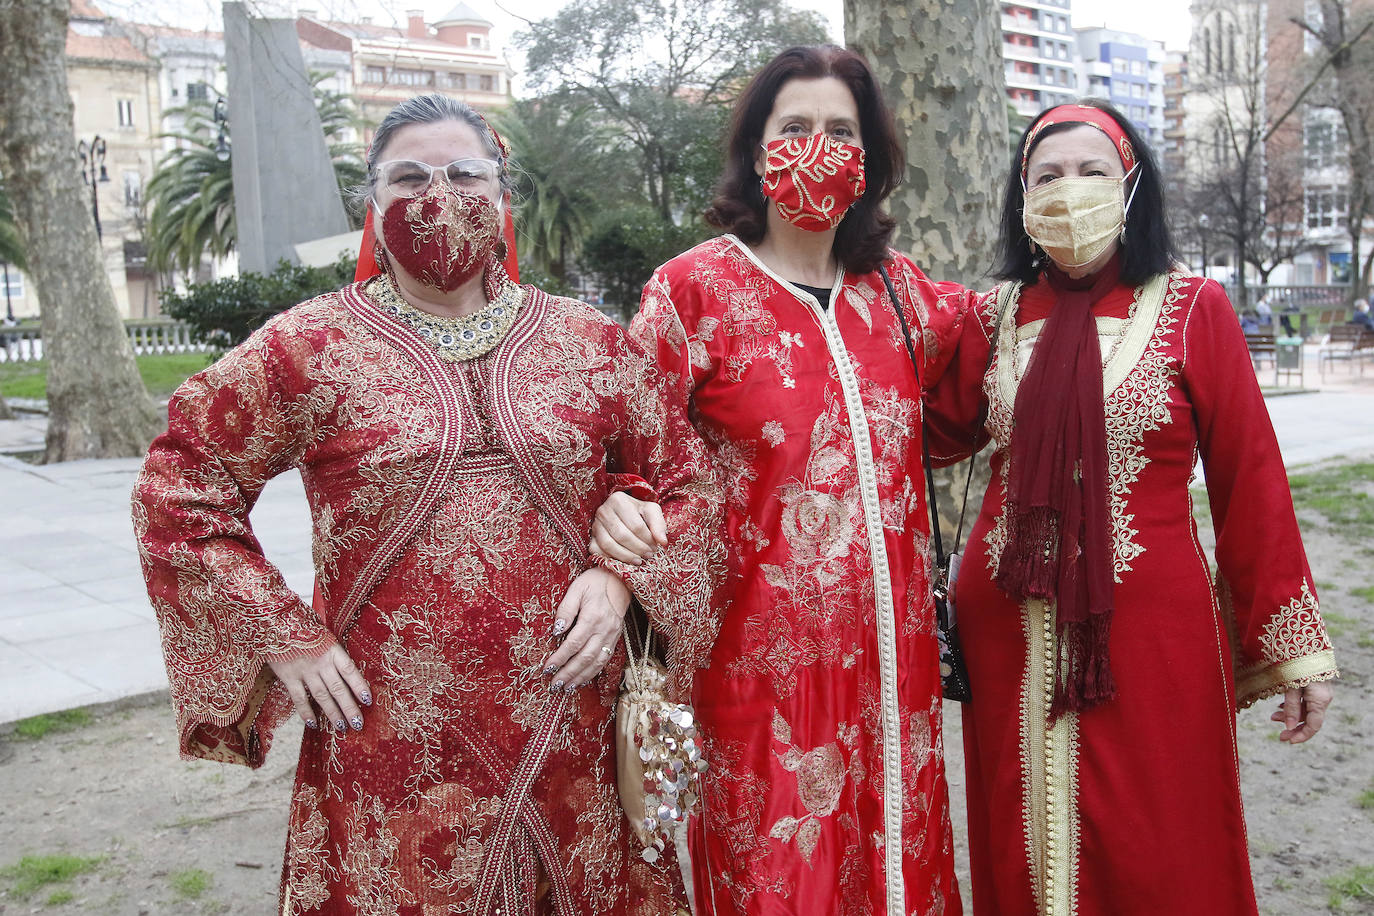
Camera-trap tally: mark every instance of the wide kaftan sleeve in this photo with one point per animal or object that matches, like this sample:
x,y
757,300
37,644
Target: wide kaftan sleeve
x,y
955,399
944,312
1280,640
222,607
661,456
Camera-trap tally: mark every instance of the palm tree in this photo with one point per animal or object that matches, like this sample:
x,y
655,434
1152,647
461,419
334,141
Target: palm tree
x,y
191,194
565,170
338,115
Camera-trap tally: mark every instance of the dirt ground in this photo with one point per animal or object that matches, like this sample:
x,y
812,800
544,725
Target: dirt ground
x,y
193,838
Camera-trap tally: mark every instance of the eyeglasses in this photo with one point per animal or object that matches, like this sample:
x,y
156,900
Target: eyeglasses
x,y
409,178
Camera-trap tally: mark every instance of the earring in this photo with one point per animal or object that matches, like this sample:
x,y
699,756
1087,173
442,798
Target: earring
x,y
1037,255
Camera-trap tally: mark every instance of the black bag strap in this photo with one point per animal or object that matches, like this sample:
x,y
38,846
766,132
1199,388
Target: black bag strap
x,y
925,446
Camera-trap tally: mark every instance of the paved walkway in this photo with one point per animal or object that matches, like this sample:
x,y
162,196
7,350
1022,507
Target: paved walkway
x,y
75,624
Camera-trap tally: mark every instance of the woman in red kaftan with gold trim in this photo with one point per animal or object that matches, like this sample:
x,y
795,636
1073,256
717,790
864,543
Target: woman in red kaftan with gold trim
x,y
1100,742
821,705
452,465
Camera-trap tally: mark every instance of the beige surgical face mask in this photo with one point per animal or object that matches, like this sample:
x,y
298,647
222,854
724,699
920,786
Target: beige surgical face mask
x,y
1076,218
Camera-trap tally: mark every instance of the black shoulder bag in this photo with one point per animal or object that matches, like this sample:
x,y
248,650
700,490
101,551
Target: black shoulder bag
x,y
954,682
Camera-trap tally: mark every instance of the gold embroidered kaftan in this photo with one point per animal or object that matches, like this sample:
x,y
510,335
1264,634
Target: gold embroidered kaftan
x,y
821,706
1132,807
451,504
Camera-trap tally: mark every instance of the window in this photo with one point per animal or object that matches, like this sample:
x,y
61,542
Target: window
x,y
487,83
133,189
374,75
457,81
1120,65
1137,68
1138,90
1324,143
474,41
1326,208
126,112
197,92
412,77
13,282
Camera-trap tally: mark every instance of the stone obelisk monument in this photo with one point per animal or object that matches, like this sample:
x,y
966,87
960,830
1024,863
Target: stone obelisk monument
x,y
284,186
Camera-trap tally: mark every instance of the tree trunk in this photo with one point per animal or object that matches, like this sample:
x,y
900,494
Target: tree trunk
x,y
97,404
5,412
939,63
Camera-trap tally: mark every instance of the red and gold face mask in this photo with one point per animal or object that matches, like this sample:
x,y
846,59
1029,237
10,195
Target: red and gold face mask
x,y
442,238
813,180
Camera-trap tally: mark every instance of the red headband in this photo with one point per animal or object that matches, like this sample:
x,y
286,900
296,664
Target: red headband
x,y
367,262
1081,114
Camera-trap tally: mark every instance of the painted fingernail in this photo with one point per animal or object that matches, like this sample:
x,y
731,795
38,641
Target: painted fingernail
x,y
366,697
357,723
341,726
559,626
550,670
311,723
557,686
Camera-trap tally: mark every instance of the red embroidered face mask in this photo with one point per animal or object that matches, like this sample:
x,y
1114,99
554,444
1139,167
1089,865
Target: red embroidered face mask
x,y
814,180
442,238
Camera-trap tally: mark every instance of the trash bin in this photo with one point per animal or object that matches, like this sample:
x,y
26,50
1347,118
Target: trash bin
x,y
1288,359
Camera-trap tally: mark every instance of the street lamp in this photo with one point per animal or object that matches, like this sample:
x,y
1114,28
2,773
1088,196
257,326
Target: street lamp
x,y
1202,223
93,171
222,122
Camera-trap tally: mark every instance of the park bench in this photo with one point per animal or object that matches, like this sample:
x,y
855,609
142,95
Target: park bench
x,y
1261,346
1329,318
1346,343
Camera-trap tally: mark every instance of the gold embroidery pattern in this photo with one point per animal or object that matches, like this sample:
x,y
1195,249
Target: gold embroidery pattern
x,y
368,861
1049,773
1295,631
1295,651
306,862
1138,403
821,775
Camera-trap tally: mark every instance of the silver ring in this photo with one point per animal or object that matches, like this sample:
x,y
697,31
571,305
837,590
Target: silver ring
x,y
607,650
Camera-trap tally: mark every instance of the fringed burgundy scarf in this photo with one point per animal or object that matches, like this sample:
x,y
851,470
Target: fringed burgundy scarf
x,y
1059,546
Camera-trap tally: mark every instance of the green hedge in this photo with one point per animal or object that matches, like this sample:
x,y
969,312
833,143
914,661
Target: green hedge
x,y
224,312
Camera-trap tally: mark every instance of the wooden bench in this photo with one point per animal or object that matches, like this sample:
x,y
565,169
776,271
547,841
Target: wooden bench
x,y
1261,346
1328,318
1346,343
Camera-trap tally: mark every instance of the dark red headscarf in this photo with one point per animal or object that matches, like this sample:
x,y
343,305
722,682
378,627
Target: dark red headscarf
x,y
1059,545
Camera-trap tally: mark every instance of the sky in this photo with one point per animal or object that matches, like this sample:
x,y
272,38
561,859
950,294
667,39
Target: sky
x,y
1164,20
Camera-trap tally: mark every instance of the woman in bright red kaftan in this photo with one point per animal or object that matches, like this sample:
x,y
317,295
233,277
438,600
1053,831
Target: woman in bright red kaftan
x,y
1132,806
821,705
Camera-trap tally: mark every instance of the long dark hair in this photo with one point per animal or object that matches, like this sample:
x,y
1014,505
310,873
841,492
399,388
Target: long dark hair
x,y
739,206
1147,248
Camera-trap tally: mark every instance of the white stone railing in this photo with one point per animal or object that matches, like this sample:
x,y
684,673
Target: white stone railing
x,y
25,344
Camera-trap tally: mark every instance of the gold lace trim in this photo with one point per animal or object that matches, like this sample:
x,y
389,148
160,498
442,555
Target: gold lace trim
x,y
455,339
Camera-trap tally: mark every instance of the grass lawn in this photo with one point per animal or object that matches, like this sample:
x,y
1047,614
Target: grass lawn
x,y
162,373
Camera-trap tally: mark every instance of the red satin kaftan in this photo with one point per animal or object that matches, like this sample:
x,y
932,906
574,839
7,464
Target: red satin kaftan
x,y
821,704
1133,807
451,501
